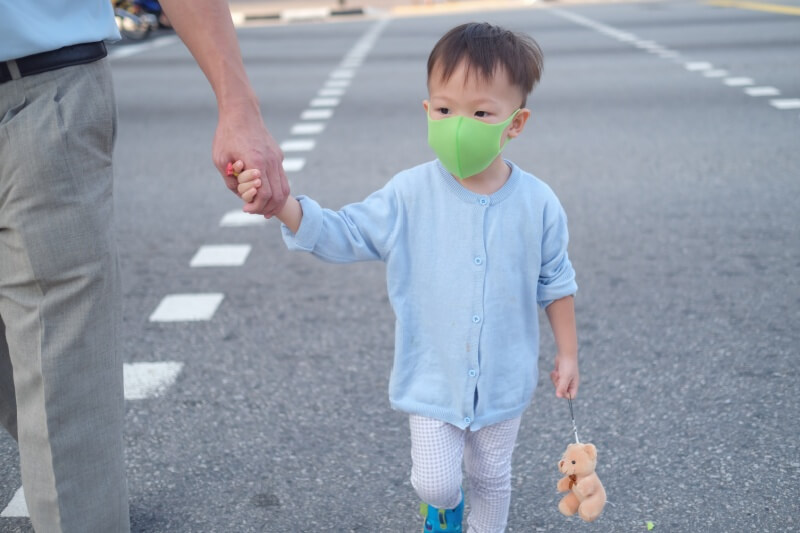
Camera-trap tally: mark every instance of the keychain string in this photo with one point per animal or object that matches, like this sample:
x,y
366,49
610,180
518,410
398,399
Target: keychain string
x,y
572,416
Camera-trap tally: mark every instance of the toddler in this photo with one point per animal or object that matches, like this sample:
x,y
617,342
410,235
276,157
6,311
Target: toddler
x,y
472,244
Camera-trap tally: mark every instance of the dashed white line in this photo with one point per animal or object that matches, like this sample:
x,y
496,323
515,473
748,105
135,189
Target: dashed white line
x,y
220,255
308,128
238,219
738,82
324,102
316,114
337,83
187,307
694,66
786,103
333,91
293,164
762,91
344,73
298,145
704,67
149,380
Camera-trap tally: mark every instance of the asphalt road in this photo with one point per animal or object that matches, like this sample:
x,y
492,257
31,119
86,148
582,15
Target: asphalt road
x,y
681,190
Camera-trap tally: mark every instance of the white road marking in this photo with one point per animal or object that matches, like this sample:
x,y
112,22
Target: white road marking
x,y
695,66
786,103
308,128
16,508
149,380
238,219
220,255
298,145
738,82
324,102
187,307
316,114
762,91
706,68
293,164
342,74
337,83
142,381
333,91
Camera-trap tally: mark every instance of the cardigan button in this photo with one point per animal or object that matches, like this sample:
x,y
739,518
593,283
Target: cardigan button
x,y
467,420
476,319
472,373
478,261
483,200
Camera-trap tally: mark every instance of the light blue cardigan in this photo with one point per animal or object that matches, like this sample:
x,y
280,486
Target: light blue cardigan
x,y
464,274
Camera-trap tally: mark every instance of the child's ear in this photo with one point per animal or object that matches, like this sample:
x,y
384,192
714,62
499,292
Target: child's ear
x,y
518,124
425,105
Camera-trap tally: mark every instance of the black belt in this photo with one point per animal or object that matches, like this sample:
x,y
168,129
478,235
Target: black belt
x,y
77,54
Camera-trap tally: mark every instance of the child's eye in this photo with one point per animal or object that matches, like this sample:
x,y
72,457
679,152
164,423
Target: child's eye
x,y
443,110
481,114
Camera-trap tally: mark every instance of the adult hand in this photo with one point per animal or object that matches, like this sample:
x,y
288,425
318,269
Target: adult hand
x,y
242,135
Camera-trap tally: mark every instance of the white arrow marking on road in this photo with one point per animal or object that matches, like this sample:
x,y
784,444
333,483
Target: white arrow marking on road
x,y
220,255
187,307
17,508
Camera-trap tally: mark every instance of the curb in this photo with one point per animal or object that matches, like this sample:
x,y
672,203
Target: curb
x,y
296,15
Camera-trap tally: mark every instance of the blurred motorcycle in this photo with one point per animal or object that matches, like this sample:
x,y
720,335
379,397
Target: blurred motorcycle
x,y
133,22
153,7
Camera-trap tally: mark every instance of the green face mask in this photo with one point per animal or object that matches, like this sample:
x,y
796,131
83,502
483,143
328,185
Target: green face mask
x,y
466,146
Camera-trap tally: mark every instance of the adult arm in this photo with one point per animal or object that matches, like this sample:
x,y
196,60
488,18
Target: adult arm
x,y
205,26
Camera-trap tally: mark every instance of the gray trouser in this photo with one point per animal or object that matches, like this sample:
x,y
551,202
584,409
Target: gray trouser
x,y
61,392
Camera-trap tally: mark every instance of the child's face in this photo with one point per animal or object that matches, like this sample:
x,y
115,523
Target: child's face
x,y
470,95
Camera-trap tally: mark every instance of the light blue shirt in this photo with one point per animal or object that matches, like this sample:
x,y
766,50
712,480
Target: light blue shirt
x,y
465,273
33,26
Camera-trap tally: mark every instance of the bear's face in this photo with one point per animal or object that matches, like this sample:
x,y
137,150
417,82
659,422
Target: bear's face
x,y
579,460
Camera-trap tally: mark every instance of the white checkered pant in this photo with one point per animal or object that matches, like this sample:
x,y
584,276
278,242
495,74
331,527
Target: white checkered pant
x,y
437,450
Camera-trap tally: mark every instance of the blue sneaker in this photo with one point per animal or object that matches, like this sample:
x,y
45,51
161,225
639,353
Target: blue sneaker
x,y
442,519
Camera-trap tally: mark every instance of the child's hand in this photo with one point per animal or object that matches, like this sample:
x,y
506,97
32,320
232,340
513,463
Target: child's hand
x,y
565,376
249,180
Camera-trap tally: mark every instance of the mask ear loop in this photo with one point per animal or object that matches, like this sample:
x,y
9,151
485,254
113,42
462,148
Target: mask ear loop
x,y
574,426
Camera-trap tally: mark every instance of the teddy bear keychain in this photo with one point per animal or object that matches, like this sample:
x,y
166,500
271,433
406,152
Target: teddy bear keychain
x,y
585,493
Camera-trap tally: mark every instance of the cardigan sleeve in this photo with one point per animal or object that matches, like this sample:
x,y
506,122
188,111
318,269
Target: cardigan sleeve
x,y
362,231
556,277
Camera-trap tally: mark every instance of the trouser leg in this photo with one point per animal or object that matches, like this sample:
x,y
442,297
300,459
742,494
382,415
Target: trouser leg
x,y
436,452
60,296
8,402
487,462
